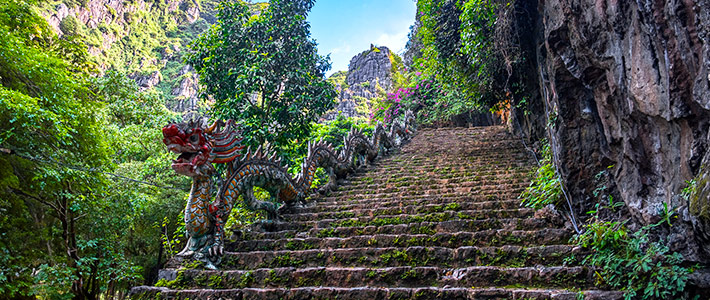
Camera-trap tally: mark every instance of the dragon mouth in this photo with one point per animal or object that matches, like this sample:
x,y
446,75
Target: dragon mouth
x,y
185,158
185,163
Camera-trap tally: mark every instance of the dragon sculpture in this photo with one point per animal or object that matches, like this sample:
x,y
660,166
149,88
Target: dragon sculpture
x,y
200,147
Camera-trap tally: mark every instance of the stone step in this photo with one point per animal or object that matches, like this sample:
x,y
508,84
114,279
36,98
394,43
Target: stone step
x,y
519,159
403,219
477,276
437,188
280,230
418,194
429,179
511,256
399,207
356,218
358,293
492,237
371,174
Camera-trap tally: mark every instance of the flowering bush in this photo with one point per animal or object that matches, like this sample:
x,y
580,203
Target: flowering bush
x,y
430,100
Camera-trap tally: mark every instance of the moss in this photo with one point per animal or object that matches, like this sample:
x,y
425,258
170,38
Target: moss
x,y
285,261
298,245
274,279
698,190
328,232
215,282
345,215
178,283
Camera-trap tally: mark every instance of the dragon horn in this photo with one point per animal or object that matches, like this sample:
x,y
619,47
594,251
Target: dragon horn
x,y
214,125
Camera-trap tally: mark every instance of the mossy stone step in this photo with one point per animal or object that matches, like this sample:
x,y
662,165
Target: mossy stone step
x,y
418,195
493,237
397,206
380,217
404,200
433,188
512,256
428,228
359,293
478,276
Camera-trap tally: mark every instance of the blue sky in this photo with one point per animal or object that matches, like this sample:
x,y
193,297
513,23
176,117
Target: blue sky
x,y
344,28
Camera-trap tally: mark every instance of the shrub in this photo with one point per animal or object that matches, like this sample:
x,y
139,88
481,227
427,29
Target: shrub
x,y
632,262
70,26
546,187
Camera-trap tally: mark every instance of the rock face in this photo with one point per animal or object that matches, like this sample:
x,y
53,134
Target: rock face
x,y
625,85
366,72
114,20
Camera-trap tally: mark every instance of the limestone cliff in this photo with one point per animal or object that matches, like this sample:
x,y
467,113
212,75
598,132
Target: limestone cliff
x,y
367,71
624,89
143,38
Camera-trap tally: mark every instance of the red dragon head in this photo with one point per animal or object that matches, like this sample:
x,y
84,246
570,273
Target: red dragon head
x,y
199,146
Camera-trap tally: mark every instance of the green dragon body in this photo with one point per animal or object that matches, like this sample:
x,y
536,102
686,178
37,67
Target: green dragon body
x,y
200,147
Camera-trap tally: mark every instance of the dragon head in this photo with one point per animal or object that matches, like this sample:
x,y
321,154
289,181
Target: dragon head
x,y
199,146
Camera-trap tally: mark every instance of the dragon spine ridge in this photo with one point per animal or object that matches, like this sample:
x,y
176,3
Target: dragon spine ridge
x,y
200,146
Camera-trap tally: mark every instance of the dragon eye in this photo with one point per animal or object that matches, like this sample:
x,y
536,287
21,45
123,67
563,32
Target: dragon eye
x,y
193,138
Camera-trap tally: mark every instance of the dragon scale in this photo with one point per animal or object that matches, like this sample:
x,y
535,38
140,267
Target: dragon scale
x,y
200,147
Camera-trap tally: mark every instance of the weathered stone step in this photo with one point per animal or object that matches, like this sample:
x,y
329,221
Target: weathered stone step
x,y
366,175
449,212
410,255
365,221
434,177
358,293
443,184
499,162
399,207
417,195
403,200
484,161
395,193
281,229
492,237
478,276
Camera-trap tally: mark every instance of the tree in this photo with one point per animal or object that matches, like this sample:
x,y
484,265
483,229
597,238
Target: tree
x,y
60,237
264,71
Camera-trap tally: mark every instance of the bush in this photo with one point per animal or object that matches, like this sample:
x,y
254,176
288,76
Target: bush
x,y
70,26
546,187
630,261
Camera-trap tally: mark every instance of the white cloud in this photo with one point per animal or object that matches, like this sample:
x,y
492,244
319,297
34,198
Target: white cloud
x,y
341,49
395,42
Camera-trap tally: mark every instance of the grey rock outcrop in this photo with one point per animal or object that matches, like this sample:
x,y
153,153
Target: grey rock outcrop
x,y
186,93
625,85
367,71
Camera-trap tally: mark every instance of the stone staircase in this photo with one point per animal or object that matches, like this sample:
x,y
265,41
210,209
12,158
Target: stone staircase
x,y
439,219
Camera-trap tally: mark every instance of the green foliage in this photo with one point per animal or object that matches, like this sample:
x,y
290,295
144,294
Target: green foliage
x,y
241,216
72,224
332,132
631,261
70,26
264,71
546,187
338,78
689,189
469,50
